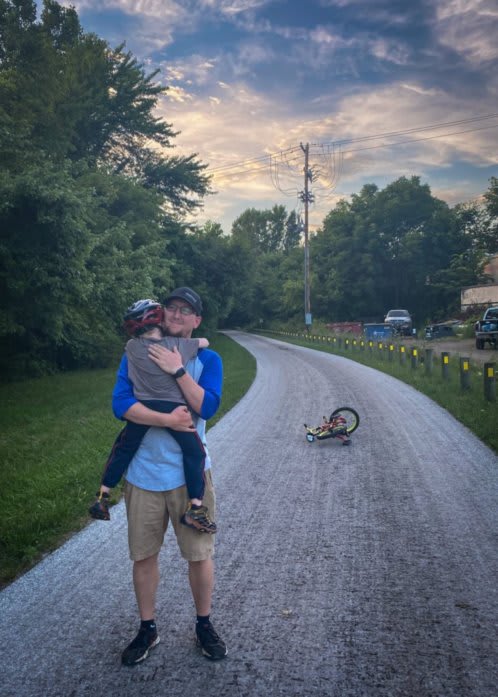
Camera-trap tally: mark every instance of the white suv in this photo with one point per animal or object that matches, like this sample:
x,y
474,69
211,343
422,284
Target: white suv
x,y
400,321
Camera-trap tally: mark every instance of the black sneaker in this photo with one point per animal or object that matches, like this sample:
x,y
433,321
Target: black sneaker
x,y
100,509
209,642
139,648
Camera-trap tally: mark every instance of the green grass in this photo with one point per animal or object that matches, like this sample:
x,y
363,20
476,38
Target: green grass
x,y
55,434
470,406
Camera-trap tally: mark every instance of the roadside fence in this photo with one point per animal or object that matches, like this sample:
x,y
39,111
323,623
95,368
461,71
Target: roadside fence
x,y
419,361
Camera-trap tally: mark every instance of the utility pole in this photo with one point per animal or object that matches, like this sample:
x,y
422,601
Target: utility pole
x,y
306,197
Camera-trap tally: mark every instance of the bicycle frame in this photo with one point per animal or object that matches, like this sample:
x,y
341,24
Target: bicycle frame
x,y
341,424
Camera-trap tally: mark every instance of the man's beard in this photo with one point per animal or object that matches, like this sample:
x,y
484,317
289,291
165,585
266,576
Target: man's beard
x,y
175,331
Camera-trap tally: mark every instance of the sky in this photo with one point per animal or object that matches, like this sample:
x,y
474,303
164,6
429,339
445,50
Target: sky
x,y
379,89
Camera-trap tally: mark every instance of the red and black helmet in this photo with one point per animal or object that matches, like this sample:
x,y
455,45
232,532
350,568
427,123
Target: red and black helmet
x,y
143,315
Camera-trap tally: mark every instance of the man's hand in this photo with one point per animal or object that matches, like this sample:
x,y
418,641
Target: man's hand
x,y
180,419
169,361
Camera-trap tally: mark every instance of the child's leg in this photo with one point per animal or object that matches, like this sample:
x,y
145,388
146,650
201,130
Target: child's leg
x,y
194,459
124,448
194,455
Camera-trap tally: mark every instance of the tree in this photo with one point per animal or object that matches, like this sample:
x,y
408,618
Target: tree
x,y
383,250
88,198
260,241
275,229
491,205
293,231
207,260
491,197
251,232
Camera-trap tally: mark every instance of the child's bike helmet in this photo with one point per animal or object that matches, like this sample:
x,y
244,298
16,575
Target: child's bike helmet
x,y
143,315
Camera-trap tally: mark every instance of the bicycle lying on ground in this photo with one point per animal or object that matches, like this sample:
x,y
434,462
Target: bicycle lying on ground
x,y
340,424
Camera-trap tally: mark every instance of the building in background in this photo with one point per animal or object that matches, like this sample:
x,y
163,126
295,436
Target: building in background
x,y
486,294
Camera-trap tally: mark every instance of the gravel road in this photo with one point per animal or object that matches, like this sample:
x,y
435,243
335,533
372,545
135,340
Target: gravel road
x,y
341,572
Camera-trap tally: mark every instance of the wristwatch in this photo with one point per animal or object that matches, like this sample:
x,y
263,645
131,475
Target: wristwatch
x,y
179,373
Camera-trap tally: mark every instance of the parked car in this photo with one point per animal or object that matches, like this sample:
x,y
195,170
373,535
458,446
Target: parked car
x,y
486,329
400,321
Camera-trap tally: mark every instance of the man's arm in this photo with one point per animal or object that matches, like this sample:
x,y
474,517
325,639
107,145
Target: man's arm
x,y
180,419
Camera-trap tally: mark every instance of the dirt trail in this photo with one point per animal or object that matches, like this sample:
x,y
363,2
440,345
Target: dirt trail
x,y
458,347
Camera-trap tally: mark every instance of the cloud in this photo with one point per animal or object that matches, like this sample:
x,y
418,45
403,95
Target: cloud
x,y
233,126
322,35
470,27
232,7
148,8
389,50
195,70
454,194
264,86
420,90
401,107
154,22
236,124
178,94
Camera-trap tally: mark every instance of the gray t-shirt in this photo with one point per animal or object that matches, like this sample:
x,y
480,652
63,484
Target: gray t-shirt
x,y
149,381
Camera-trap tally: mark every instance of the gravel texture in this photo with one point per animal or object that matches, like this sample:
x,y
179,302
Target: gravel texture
x,y
456,348
368,570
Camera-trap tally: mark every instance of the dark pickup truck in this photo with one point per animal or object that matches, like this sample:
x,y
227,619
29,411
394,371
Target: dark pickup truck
x,y
486,329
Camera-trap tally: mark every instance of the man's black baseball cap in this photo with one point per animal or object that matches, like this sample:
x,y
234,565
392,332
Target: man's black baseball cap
x,y
190,297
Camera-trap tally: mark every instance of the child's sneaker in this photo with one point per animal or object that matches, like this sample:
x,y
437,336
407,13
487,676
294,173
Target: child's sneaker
x,y
100,509
198,519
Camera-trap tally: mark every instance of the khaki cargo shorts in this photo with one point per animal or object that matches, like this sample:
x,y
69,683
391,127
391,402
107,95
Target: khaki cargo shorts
x,y
149,513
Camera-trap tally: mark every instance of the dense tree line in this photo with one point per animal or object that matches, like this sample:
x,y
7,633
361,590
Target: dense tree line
x,y
93,208
396,247
87,204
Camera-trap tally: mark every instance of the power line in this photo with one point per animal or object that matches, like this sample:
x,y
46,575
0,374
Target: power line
x,y
420,140
246,171
392,134
242,165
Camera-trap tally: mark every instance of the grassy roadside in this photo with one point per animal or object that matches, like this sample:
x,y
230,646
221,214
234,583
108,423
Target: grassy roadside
x,y
55,435
468,406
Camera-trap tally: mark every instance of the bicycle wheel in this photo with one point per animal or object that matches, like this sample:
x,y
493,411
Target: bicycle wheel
x,y
350,415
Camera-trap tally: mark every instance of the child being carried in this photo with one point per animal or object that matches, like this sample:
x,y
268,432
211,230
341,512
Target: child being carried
x,y
159,391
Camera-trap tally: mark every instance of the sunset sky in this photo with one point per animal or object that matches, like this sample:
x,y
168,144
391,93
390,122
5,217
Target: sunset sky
x,y
250,80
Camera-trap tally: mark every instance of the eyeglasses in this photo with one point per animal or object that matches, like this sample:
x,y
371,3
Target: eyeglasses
x,y
182,309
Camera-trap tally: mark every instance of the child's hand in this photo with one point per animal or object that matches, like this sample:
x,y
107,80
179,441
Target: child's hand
x,y
203,342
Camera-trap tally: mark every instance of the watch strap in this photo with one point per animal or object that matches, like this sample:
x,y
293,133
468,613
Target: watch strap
x,y
179,373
